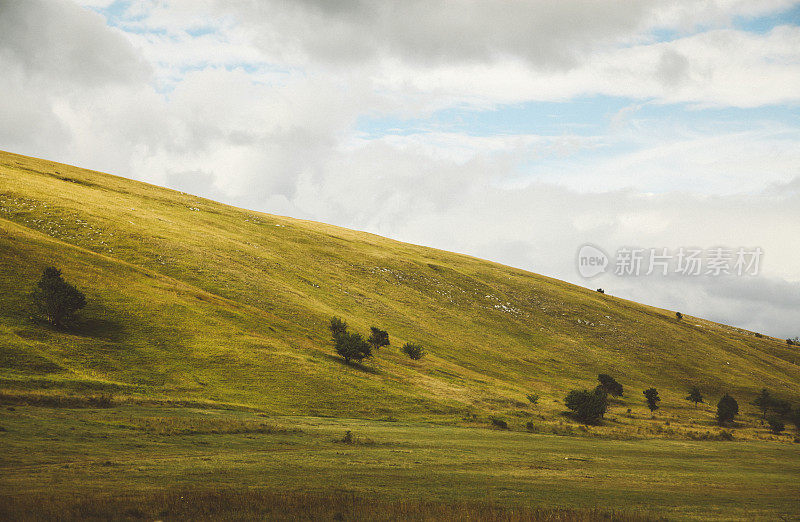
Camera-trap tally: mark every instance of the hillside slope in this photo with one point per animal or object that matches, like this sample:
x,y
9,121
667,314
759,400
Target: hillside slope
x,y
193,299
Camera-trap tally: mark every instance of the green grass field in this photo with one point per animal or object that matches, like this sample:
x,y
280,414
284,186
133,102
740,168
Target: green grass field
x,y
207,317
137,450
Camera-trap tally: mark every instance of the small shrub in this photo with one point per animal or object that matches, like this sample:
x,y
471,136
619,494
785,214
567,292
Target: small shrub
x,y
352,346
414,351
530,426
499,423
601,291
378,338
759,335
348,437
588,407
678,316
337,327
610,385
533,398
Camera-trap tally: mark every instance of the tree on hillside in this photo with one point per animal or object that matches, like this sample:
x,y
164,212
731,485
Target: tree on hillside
x,y
610,385
378,338
776,424
794,418
587,406
352,346
337,327
678,316
651,395
695,396
414,351
781,407
56,299
727,409
763,402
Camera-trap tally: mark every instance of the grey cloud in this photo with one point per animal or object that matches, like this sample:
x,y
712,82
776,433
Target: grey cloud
x,y
58,41
672,68
547,34
61,68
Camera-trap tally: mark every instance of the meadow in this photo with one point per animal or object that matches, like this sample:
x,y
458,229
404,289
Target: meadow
x,y
202,367
248,464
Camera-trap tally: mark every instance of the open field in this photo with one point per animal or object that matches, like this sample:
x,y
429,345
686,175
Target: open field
x,y
143,452
202,368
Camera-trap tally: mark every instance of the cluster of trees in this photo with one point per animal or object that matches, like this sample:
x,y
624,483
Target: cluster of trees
x,y
589,407
58,301
352,346
727,407
776,411
793,341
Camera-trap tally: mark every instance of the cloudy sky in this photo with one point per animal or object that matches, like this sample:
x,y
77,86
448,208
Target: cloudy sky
x,y
515,131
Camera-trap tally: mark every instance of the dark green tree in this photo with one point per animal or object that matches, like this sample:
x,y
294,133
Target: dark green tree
x,y
695,396
678,316
610,385
776,424
587,406
337,327
651,395
763,402
781,407
352,346
56,299
378,338
727,409
794,418
414,351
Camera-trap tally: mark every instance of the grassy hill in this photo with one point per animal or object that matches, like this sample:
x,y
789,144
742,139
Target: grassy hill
x,y
195,300
200,382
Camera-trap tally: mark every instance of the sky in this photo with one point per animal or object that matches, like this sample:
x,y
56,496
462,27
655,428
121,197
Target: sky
x,y
515,131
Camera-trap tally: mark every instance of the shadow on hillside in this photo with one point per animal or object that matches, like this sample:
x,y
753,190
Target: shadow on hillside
x,y
353,364
90,327
98,328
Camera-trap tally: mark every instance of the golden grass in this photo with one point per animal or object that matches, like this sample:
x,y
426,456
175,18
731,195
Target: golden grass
x,y
250,504
192,300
